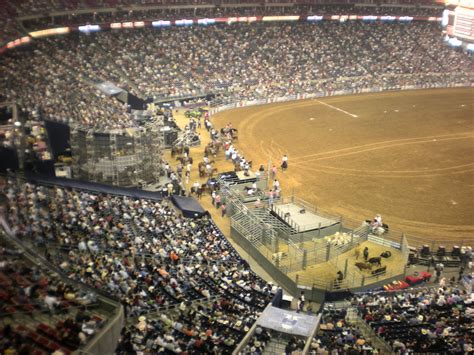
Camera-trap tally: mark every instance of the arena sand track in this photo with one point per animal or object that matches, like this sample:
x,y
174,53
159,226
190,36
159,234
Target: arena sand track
x,y
406,155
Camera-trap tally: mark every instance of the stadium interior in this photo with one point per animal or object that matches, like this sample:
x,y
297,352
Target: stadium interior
x,y
236,177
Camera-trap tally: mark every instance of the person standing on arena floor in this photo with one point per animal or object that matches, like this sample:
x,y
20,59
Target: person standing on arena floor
x,y
273,172
276,185
270,197
461,273
284,163
276,194
218,201
438,269
187,175
366,253
169,188
195,187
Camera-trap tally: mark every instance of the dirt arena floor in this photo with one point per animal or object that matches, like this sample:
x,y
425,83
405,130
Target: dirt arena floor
x,y
406,155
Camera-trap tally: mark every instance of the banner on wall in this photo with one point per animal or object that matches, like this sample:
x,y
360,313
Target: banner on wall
x,y
375,89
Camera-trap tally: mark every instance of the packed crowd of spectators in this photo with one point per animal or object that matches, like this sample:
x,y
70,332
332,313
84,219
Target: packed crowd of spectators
x,y
43,7
211,326
268,60
56,78
337,335
144,253
311,58
39,14
8,30
258,342
29,7
46,84
73,18
33,290
428,321
10,134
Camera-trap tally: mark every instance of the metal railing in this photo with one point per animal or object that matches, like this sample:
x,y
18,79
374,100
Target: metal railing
x,y
369,334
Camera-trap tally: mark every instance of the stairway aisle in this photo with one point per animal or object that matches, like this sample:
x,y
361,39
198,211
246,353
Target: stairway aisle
x,y
368,332
275,346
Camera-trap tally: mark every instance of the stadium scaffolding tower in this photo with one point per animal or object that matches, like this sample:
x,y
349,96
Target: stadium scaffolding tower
x,y
128,157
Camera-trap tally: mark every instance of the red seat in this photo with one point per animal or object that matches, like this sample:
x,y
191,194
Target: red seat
x,y
28,307
43,326
10,310
33,335
21,328
43,341
54,346
46,329
97,318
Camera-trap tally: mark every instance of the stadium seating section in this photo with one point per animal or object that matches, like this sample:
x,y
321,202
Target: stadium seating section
x,y
182,284
56,78
39,313
147,255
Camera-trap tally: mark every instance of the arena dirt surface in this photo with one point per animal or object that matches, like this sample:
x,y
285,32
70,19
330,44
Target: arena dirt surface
x,y
406,155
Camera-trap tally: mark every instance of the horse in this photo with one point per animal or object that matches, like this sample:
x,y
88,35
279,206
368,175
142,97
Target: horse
x,y
202,169
181,159
231,132
199,192
210,150
375,260
216,144
211,172
212,185
176,150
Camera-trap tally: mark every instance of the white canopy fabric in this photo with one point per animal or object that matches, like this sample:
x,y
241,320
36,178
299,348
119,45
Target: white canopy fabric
x,y
288,322
109,88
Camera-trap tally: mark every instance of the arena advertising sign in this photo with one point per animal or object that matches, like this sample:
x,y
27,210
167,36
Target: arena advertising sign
x,y
221,108
87,28
50,32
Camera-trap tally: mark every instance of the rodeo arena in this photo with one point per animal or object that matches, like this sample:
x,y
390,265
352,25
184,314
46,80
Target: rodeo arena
x,y
236,177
